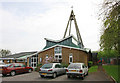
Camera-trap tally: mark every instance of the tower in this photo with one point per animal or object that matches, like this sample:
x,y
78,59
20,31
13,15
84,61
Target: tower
x,y
78,39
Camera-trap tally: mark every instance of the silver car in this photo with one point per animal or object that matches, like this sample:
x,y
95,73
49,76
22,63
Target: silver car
x,y
51,69
77,69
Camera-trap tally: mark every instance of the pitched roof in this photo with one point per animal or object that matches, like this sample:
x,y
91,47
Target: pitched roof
x,y
68,41
85,50
18,55
58,40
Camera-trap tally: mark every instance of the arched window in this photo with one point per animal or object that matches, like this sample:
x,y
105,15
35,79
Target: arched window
x,y
70,58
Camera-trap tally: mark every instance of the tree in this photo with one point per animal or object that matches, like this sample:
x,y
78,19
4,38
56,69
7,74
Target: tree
x,y
4,52
107,53
110,39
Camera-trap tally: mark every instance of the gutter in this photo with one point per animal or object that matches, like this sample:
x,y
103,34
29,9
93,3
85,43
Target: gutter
x,y
5,58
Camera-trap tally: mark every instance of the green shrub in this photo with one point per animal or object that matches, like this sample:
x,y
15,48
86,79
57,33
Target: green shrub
x,y
38,67
90,63
64,65
93,68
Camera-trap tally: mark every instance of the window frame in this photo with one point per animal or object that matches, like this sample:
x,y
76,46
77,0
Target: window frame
x,y
57,52
70,56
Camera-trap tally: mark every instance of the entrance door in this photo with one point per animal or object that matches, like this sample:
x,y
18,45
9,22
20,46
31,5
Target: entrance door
x,y
34,61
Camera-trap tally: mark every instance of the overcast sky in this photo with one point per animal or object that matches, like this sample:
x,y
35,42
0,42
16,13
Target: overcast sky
x,y
24,24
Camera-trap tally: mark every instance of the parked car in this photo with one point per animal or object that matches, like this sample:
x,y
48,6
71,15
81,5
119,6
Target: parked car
x,y
15,68
1,65
51,69
77,69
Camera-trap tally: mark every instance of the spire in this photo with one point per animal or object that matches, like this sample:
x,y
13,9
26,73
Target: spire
x,y
72,18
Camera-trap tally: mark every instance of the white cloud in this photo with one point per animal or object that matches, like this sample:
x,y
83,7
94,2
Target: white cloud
x,y
28,33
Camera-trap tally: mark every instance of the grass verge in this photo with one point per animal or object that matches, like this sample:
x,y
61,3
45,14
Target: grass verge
x,y
93,69
112,70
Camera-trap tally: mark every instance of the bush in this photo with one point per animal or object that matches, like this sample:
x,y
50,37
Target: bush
x,y
90,63
93,68
38,67
64,65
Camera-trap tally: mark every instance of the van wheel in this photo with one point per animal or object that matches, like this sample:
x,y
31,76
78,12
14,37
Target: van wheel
x,y
54,75
12,73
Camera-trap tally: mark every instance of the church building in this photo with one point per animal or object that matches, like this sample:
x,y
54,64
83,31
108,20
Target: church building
x,y
67,50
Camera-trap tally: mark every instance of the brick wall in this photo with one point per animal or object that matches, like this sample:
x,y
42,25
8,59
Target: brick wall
x,y
49,52
78,55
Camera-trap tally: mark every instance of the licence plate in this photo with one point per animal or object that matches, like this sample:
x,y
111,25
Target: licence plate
x,y
73,70
44,73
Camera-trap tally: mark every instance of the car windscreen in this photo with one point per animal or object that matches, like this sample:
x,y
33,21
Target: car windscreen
x,y
74,66
47,66
7,65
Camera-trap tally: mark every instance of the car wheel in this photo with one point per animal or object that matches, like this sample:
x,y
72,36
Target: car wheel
x,y
30,70
41,76
4,74
83,77
54,75
68,76
87,74
12,73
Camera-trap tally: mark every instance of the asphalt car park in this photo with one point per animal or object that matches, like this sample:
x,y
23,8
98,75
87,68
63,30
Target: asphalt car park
x,y
34,76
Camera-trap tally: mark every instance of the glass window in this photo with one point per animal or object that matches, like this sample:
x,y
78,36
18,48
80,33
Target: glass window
x,y
11,66
46,56
22,65
57,66
58,50
34,65
31,59
74,66
34,59
8,61
17,65
40,59
20,60
7,65
70,58
47,66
